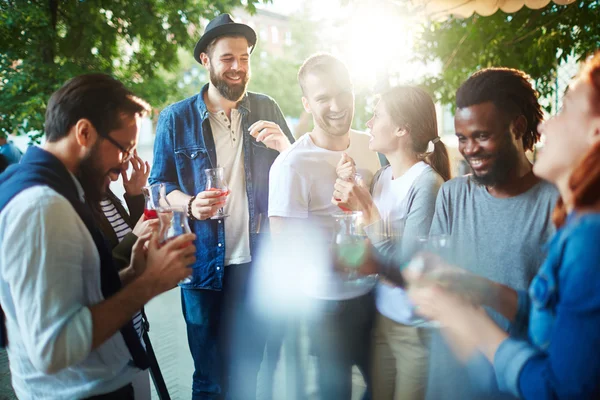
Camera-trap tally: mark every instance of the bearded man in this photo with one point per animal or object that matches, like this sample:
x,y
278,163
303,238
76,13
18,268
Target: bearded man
x,y
66,315
242,132
499,218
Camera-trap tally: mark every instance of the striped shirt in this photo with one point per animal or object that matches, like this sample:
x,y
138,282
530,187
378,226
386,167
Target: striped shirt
x,y
117,222
121,228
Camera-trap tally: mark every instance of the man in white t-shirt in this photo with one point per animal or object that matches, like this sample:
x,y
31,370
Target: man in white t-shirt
x,y
300,188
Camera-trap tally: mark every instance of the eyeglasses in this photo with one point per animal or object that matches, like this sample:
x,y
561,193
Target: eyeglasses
x,y
127,155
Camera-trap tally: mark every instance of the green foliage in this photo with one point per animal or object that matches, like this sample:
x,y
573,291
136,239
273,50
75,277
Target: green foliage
x,y
44,43
276,76
535,41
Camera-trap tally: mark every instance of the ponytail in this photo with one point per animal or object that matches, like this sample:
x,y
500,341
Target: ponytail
x,y
412,108
438,160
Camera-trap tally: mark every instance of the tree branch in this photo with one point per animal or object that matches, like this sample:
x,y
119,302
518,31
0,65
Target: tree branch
x,y
455,52
48,49
521,38
53,13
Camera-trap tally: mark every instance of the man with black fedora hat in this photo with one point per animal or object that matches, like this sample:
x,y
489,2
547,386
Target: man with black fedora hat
x,y
243,132
223,25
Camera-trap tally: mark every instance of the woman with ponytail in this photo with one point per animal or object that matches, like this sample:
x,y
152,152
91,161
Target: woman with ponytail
x,y
402,196
550,352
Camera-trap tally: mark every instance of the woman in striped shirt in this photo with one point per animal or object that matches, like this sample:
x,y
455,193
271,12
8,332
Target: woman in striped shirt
x,y
121,230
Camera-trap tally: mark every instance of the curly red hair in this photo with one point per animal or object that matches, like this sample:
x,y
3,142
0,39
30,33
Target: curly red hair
x,y
585,180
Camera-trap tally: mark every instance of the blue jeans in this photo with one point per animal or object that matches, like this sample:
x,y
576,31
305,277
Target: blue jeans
x,y
225,338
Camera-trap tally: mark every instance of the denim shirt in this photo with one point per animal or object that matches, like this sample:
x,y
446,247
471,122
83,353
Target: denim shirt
x,y
559,360
185,147
11,152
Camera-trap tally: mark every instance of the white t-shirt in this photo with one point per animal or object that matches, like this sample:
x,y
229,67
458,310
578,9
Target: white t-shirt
x,y
301,184
390,196
230,155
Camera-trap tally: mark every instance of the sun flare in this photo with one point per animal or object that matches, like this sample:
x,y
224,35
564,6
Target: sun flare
x,y
380,44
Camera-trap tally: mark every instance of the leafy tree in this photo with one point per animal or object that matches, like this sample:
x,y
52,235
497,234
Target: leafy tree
x,y
43,43
535,41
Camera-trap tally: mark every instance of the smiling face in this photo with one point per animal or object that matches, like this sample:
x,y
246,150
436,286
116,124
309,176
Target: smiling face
x,y
569,134
486,142
228,63
330,100
104,161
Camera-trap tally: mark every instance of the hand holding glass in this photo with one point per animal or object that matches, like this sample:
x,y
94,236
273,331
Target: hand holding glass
x,y
154,197
416,271
215,180
173,223
350,242
430,269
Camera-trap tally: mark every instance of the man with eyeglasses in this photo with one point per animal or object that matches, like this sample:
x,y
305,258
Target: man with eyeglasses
x,y
126,154
66,311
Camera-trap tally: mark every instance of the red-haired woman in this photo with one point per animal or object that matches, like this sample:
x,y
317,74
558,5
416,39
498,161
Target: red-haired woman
x,y
560,313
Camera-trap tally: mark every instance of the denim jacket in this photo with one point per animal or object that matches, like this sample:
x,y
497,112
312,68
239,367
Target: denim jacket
x,y
184,148
559,360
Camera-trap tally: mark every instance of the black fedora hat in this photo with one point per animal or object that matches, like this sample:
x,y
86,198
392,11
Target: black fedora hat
x,y
223,25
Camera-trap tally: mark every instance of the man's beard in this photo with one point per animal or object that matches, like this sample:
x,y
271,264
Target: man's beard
x,y
506,159
91,177
336,130
230,92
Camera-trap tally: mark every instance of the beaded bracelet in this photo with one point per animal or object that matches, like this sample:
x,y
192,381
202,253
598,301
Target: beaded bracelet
x,y
189,209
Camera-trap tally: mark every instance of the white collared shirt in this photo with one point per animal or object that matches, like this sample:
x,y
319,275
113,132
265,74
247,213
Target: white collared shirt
x,y
49,277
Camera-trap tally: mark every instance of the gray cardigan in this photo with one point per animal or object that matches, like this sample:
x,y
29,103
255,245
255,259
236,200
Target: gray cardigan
x,y
421,200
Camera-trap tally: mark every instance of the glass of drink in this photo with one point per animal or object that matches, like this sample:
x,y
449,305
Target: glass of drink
x,y
436,244
350,242
173,222
215,180
439,245
155,197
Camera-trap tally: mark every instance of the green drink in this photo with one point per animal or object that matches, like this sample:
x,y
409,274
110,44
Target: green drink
x,y
352,253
